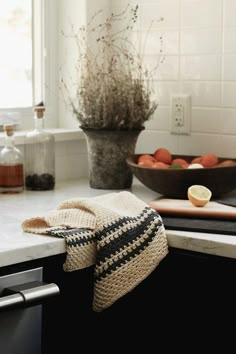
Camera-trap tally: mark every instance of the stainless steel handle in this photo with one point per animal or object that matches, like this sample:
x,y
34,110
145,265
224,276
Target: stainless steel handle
x,y
27,294
11,301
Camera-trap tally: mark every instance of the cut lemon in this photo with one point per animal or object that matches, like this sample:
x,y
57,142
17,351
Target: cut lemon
x,y
199,195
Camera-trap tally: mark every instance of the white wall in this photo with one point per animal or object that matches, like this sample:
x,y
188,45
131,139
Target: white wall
x,y
200,46
199,39
71,160
71,157
71,13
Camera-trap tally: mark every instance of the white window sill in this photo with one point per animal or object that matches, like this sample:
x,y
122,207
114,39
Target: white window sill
x,y
60,135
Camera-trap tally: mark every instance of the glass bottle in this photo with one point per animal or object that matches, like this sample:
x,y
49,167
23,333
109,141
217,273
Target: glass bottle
x,y
39,155
11,164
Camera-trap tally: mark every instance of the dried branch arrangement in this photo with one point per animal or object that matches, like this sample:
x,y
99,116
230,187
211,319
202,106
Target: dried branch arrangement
x,y
114,87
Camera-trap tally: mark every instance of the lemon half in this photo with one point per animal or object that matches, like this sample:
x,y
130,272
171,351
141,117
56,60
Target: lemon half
x,y
199,195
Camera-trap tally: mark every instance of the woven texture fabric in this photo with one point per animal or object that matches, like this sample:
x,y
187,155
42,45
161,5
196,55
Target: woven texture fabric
x,y
117,232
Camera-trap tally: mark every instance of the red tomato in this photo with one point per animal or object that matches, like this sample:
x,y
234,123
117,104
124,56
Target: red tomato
x,y
180,162
145,157
160,164
163,155
145,163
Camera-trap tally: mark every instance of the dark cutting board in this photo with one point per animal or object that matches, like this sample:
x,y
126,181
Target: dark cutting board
x,y
218,226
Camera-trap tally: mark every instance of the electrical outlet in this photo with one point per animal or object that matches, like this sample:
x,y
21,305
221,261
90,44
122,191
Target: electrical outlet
x,y
180,114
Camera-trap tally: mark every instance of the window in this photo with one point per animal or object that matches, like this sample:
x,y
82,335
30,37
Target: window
x,y
25,33
16,57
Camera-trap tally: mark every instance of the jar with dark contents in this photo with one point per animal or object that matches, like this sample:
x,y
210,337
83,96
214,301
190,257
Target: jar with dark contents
x,y
39,155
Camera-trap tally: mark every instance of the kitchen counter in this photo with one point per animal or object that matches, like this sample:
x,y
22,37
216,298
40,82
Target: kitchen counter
x,y
17,246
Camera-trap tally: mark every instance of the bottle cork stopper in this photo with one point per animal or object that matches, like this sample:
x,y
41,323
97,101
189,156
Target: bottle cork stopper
x,y
39,109
9,129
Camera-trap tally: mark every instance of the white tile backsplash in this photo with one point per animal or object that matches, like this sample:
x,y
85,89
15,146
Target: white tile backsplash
x,y
228,118
153,10
201,13
160,120
228,144
169,69
71,160
199,144
155,41
229,41
229,67
204,94
152,140
201,41
206,120
201,67
229,13
229,95
199,47
164,90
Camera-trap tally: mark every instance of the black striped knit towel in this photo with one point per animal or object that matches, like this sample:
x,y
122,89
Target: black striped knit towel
x,y
117,232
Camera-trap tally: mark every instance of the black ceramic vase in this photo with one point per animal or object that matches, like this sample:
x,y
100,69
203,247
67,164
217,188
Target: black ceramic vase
x,y
107,153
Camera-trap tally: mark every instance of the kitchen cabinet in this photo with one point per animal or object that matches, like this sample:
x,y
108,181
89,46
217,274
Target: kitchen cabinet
x,y
188,288
187,292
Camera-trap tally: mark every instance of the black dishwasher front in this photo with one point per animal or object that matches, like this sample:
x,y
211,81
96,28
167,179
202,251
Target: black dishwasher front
x,y
21,296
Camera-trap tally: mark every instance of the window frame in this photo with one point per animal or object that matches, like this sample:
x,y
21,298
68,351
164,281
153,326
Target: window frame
x,y
44,64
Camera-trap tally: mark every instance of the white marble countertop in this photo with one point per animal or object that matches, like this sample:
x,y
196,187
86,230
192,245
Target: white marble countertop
x,y
17,246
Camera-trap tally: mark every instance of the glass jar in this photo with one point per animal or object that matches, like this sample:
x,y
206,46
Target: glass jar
x,y
11,164
39,155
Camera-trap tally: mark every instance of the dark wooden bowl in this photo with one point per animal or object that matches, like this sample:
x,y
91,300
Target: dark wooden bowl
x,y
174,183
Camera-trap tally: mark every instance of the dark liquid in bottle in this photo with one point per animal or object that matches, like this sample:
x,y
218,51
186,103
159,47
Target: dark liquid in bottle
x,y
11,178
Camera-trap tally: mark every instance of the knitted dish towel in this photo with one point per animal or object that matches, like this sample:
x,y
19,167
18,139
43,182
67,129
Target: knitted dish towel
x,y
117,232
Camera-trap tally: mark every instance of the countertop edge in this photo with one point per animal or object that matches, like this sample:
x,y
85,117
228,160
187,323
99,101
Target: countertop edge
x,y
46,246
17,246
